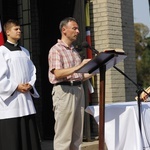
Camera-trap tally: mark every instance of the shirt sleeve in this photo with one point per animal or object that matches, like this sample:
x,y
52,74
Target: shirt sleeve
x,y
32,73
55,60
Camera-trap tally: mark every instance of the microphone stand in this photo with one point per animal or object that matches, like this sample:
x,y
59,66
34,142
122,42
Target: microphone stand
x,y
138,91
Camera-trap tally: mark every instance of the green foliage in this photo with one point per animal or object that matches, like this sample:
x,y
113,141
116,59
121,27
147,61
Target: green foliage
x,y
142,47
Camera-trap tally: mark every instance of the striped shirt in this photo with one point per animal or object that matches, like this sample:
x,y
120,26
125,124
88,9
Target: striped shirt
x,y
61,57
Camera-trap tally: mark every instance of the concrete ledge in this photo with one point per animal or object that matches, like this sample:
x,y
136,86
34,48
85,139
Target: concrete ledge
x,y
90,145
48,145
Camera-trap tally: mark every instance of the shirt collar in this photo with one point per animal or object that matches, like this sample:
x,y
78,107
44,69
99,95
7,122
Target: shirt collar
x,y
13,44
65,45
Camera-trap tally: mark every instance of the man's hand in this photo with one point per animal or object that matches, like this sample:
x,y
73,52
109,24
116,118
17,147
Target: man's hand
x,y
85,61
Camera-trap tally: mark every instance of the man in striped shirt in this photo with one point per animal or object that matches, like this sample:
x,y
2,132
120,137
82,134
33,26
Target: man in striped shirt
x,y
68,92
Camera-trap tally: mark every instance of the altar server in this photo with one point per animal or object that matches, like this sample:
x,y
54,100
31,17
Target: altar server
x,y
18,129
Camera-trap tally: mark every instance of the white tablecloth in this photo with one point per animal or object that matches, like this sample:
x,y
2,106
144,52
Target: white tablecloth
x,y
122,130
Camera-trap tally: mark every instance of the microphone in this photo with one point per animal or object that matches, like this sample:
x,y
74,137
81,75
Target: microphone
x,y
86,45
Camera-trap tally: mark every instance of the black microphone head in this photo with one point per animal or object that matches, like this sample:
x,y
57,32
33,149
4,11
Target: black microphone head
x,y
85,44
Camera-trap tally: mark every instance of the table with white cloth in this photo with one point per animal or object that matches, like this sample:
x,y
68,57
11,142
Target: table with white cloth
x,y
122,131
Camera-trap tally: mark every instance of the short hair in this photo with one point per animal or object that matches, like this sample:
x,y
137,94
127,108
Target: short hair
x,y
9,24
65,21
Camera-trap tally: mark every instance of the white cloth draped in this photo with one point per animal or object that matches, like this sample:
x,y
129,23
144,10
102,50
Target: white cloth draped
x,y
122,130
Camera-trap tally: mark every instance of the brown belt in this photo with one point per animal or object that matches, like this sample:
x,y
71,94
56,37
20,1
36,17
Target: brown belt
x,y
70,83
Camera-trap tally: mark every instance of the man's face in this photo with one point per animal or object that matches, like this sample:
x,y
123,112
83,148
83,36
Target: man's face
x,y
71,30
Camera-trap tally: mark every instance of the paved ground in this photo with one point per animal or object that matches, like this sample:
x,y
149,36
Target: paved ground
x,y
48,145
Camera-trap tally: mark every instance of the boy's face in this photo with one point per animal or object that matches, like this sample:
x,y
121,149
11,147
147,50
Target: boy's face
x,y
13,33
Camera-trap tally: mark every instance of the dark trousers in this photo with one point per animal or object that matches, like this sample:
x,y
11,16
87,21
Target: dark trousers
x,y
19,134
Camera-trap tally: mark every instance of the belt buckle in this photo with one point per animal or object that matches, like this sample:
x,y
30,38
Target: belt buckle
x,y
71,82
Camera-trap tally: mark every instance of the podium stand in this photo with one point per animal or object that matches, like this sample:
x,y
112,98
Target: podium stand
x,y
100,64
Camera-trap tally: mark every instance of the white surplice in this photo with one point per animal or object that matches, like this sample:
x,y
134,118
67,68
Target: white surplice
x,y
16,67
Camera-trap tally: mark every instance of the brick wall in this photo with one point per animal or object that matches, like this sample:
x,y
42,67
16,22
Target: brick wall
x,y
129,46
112,26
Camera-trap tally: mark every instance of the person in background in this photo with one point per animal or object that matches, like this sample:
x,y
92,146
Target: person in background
x,y
68,93
18,129
144,96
